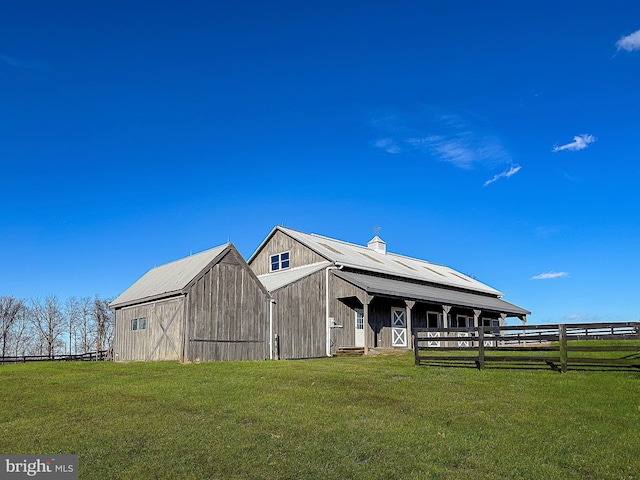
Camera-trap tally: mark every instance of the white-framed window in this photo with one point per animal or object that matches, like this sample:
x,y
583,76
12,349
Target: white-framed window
x,y
463,321
279,261
492,322
359,319
139,323
434,320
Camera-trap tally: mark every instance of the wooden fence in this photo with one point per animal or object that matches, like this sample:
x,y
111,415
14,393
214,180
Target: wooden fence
x,y
558,346
82,357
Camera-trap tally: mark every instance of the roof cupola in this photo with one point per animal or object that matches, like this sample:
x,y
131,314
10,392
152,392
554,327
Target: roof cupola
x,y
377,245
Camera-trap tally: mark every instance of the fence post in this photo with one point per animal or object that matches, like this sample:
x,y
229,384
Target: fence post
x,y
562,330
415,350
480,347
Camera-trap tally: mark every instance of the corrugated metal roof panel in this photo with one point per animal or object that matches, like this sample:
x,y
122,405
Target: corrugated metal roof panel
x,y
274,281
169,278
414,291
364,258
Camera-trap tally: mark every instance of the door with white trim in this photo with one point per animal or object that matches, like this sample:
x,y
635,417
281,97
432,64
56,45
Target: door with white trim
x,y
398,327
359,339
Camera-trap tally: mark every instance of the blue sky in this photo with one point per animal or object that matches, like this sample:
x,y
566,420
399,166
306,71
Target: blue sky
x,y
498,138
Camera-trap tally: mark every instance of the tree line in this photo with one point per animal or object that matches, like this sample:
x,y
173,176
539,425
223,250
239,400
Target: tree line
x,y
48,327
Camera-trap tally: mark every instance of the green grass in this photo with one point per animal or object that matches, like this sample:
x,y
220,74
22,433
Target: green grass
x,y
368,417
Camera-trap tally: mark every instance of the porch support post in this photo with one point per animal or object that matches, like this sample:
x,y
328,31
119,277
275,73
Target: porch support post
x,y
365,313
445,315
445,321
476,320
410,304
503,319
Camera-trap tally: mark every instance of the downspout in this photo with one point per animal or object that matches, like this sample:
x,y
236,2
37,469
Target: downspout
x,y
271,302
328,323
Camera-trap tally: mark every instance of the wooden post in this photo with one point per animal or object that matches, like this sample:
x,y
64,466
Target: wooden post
x,y
409,304
416,353
562,330
445,322
476,320
480,347
365,313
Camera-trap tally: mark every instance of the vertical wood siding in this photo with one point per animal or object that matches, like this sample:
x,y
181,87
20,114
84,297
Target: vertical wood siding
x,y
343,311
299,317
380,315
228,314
280,242
151,343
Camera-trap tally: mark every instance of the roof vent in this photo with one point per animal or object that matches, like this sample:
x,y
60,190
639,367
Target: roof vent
x,y
377,245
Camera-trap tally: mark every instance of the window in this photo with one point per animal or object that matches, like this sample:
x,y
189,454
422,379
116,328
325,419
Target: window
x,y
139,323
463,321
279,261
434,320
492,322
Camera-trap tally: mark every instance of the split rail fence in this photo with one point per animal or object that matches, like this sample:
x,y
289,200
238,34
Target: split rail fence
x,y
558,346
82,357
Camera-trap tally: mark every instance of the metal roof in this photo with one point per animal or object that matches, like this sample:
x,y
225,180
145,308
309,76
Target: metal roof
x,y
170,278
364,258
414,291
274,281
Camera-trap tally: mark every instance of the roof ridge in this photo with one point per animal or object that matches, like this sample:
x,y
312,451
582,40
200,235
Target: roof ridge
x,y
192,255
369,249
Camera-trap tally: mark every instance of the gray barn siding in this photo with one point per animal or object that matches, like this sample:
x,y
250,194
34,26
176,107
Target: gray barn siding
x,y
280,242
228,314
343,311
150,343
380,320
299,317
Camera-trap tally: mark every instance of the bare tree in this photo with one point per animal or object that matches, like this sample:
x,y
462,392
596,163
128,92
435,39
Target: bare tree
x,y
9,310
86,328
73,310
49,321
22,335
103,318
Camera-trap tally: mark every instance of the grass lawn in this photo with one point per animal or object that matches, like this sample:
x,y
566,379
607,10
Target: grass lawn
x,y
364,417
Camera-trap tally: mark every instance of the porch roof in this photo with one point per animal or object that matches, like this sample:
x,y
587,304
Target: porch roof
x,y
274,281
375,285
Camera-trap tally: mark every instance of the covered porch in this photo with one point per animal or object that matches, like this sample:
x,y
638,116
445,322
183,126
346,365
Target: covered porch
x,y
388,310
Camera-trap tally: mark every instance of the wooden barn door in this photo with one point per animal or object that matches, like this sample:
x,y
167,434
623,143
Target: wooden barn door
x,y
398,327
359,338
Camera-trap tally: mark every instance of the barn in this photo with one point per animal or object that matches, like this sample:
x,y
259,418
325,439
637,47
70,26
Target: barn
x,y
206,307
330,295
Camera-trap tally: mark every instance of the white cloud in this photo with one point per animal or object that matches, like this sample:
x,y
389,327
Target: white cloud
x,y
579,142
506,174
550,275
462,148
461,138
388,145
629,43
